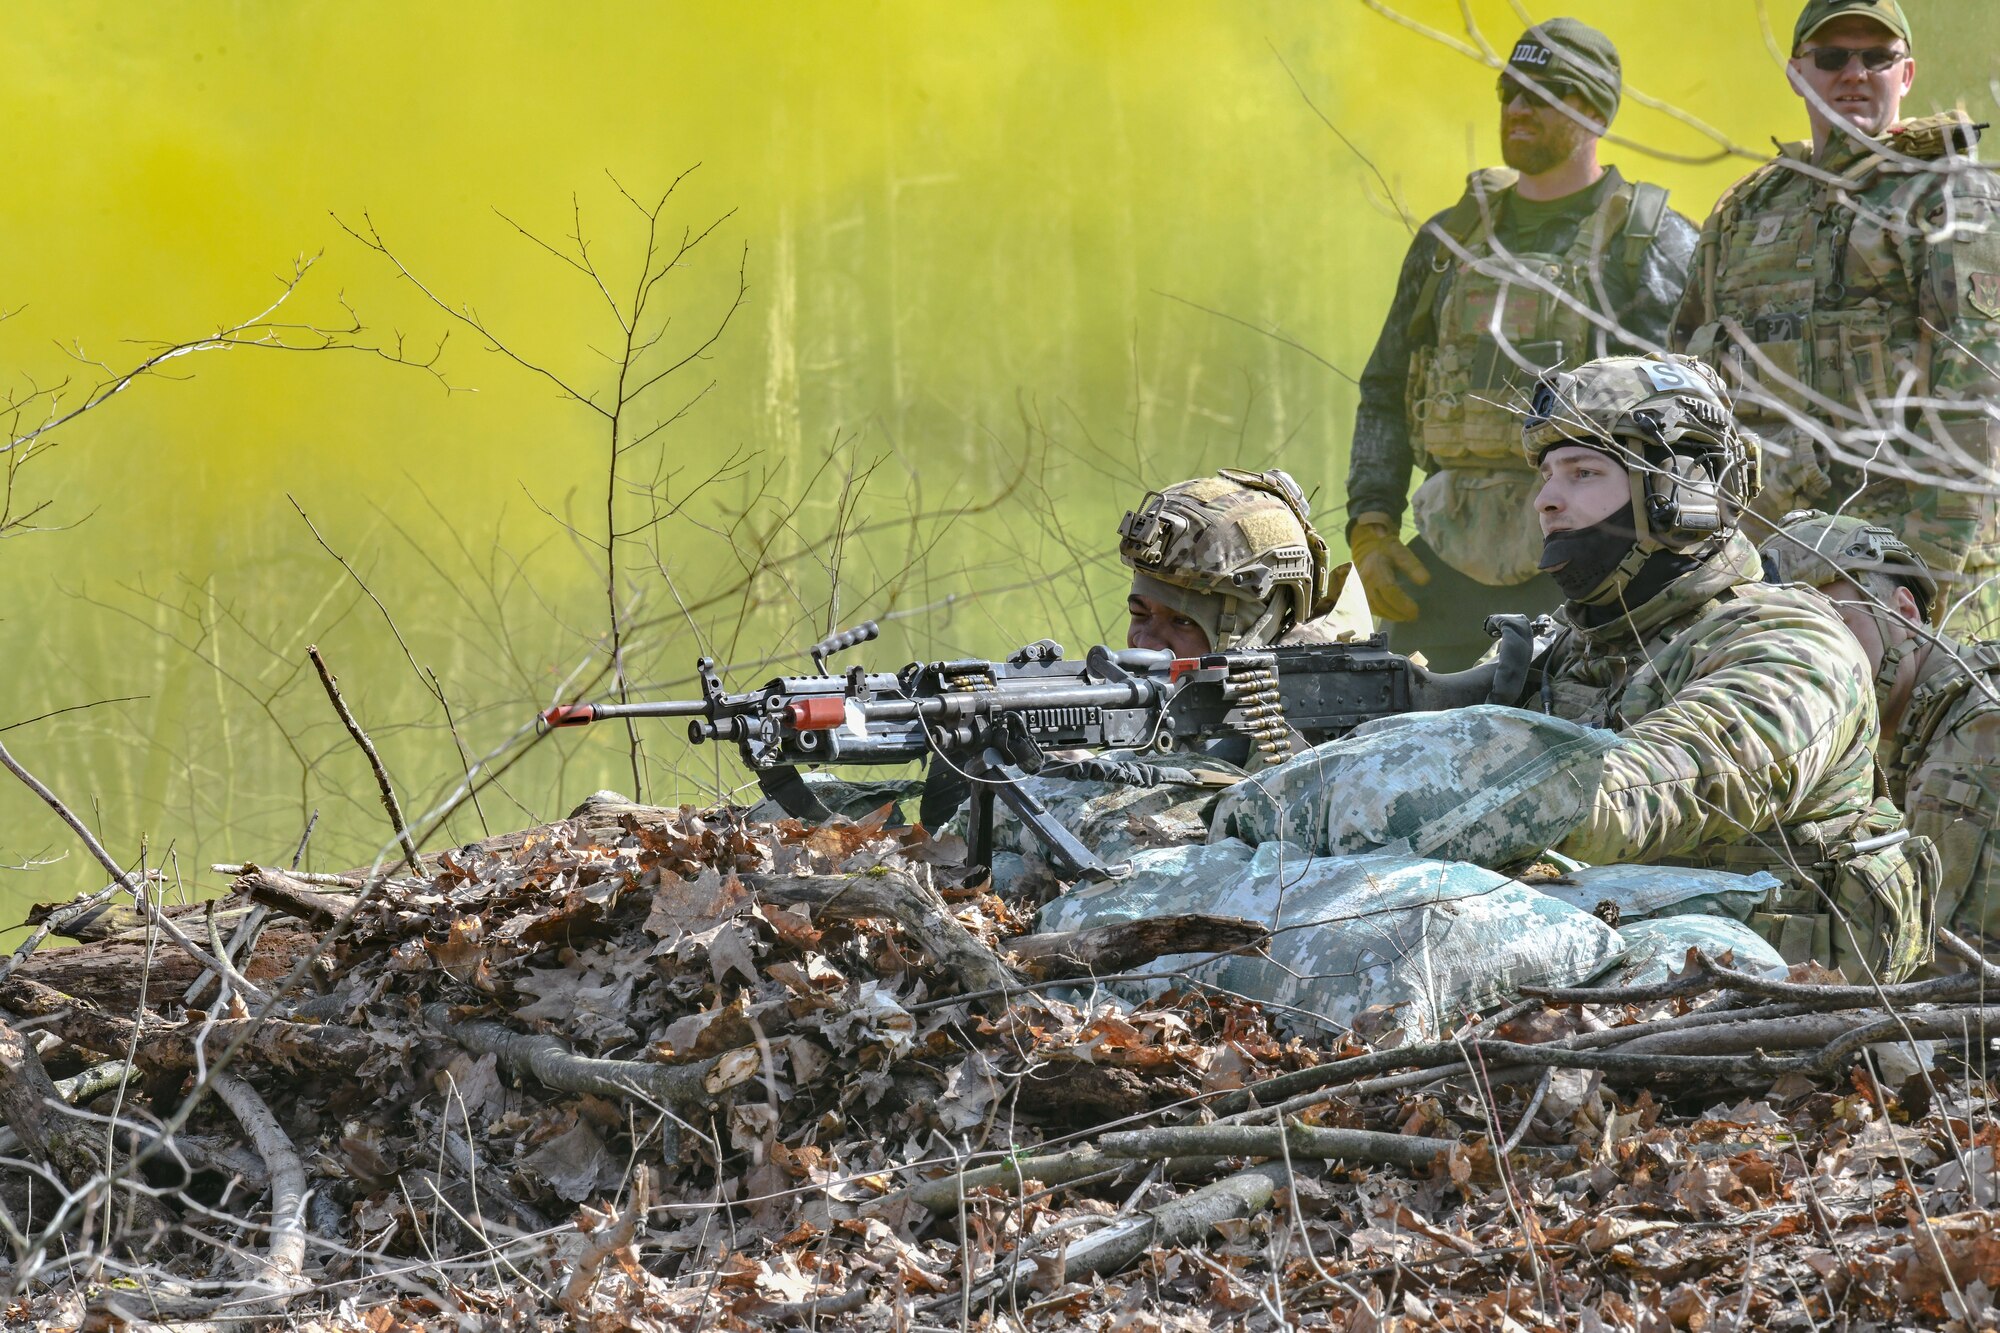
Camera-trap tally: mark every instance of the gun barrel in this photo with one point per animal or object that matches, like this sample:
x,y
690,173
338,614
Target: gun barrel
x,y
579,715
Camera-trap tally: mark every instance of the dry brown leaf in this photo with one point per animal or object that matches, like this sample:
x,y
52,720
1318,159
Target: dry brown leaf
x,y
734,1068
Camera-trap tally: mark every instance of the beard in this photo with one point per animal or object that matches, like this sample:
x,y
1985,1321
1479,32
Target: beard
x,y
1555,138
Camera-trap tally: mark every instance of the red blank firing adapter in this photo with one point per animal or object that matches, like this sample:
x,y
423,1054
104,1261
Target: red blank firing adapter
x,y
567,715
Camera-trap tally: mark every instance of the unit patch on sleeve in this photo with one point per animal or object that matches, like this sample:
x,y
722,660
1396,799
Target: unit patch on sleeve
x,y
1982,293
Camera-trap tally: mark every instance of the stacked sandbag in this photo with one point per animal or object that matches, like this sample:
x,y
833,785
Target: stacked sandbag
x,y
1115,820
1663,911
1433,940
1490,785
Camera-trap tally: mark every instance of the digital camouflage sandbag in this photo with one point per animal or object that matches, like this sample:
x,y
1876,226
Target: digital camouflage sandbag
x,y
1636,892
1112,820
1484,784
1435,940
1657,948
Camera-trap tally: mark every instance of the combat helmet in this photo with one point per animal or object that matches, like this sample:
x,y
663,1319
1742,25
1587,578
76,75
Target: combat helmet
x,y
1669,422
1814,547
1235,552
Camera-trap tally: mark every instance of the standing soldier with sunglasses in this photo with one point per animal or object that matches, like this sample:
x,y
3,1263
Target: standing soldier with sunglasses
x,y
1549,263
1850,292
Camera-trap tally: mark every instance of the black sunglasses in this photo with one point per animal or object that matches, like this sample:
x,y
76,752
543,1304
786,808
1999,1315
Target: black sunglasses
x,y
1510,88
1832,59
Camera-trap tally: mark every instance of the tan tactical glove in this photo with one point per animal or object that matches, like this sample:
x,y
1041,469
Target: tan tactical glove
x,y
1381,559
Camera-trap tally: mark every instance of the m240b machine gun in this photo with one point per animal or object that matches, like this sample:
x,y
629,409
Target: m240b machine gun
x,y
981,725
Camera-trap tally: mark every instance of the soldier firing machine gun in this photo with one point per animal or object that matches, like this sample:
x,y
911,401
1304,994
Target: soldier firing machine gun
x,y
981,725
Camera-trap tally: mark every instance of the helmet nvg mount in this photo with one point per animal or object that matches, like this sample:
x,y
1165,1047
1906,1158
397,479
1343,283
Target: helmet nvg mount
x,y
1236,550
1814,547
1670,424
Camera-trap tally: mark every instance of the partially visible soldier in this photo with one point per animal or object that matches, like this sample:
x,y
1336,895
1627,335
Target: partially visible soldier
x,y
1939,700
1228,561
1548,263
1849,291
1744,711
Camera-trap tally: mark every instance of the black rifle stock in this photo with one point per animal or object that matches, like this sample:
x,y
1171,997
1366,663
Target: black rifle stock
x,y
981,725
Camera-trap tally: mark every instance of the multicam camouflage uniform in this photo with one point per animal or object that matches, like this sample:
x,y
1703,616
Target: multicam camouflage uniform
x,y
1943,768
1745,711
1748,726
1941,762
1838,291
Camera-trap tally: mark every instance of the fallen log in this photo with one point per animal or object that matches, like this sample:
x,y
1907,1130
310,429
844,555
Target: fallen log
x,y
1124,945
171,1047
555,1065
115,921
119,975
1118,1245
287,894
278,1278
1968,954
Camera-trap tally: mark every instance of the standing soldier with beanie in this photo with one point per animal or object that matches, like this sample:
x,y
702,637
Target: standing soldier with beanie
x,y
1849,291
1548,263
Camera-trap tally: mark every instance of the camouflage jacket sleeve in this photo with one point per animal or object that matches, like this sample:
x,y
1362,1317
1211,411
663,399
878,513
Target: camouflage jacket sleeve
x,y
1954,800
1957,258
1769,720
1381,460
1646,313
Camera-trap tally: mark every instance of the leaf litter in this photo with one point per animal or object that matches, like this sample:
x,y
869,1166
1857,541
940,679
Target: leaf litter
x,y
845,1142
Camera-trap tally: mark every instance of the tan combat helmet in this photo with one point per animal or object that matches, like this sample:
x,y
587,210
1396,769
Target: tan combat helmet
x,y
1235,552
1669,423
1814,547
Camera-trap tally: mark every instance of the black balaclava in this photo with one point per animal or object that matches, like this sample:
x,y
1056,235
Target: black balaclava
x,y
1581,559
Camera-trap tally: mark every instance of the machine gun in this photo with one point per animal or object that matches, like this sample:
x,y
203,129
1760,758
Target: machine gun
x,y
981,725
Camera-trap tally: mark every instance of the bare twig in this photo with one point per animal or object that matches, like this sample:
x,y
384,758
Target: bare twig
x,y
389,802
133,884
56,923
1341,1145
1957,944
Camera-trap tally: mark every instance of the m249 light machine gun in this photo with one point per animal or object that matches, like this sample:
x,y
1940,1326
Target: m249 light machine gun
x,y
981,725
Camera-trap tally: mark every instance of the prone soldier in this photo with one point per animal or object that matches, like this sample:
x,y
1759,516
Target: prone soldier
x,y
1550,262
1745,718
1228,561
1849,291
1939,699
